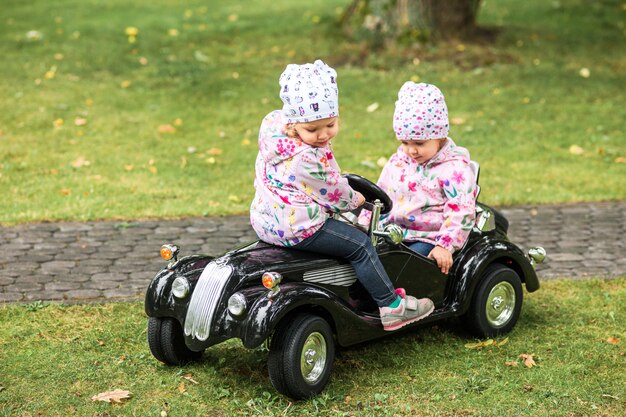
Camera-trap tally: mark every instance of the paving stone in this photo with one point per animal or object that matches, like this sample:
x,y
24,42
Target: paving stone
x,y
10,297
82,294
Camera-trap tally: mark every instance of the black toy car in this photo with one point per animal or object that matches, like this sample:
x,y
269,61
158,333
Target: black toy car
x,y
301,303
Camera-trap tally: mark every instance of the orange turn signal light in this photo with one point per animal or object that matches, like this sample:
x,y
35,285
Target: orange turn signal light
x,y
168,251
270,279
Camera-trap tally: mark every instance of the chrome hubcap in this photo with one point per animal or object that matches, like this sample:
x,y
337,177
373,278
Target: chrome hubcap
x,y
313,358
500,304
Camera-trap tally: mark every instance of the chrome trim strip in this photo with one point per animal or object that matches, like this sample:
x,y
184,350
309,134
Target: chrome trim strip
x,y
342,275
204,300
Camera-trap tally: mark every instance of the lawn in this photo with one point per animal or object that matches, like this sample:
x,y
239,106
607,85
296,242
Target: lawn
x,y
117,110
55,358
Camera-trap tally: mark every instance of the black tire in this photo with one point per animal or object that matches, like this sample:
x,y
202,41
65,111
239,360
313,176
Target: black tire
x,y
154,338
167,342
289,371
496,303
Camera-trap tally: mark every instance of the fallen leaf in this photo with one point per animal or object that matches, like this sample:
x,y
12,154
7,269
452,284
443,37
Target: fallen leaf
x,y
620,160
372,107
152,169
58,122
189,378
613,340
584,72
143,60
129,167
381,161
125,84
181,387
115,396
528,360
80,162
178,121
167,128
480,345
101,342
528,387
172,32
234,199
66,191
513,364
576,150
503,341
210,160
245,142
215,151
457,120
233,18
79,121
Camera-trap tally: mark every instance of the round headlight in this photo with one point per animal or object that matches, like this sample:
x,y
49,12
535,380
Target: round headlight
x,y
180,287
237,304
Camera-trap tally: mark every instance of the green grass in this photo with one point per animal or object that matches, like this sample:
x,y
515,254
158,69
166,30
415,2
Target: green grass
x,y
522,102
54,358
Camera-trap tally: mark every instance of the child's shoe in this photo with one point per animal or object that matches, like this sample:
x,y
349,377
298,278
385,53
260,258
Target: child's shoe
x,y
409,311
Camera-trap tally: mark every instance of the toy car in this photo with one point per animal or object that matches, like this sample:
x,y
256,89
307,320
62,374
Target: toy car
x,y
301,304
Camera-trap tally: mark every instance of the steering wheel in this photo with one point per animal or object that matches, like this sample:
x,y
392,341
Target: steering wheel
x,y
370,191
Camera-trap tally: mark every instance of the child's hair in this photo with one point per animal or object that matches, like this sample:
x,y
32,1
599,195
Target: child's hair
x,y
290,130
309,92
421,113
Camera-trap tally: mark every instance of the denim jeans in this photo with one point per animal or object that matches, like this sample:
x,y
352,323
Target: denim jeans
x,y
420,247
336,238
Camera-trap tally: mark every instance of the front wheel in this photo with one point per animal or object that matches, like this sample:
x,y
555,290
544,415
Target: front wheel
x,y
496,303
301,356
167,342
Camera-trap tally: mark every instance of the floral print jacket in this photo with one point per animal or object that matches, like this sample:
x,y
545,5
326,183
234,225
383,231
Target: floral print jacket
x,y
434,202
297,186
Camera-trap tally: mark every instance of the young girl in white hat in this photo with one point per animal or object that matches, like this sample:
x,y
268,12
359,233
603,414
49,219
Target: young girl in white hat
x,y
429,178
299,185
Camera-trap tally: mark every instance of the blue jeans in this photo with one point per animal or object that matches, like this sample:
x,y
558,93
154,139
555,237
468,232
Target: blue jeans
x,y
420,247
336,238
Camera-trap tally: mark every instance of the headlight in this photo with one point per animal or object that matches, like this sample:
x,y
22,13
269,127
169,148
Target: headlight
x,y
180,287
237,304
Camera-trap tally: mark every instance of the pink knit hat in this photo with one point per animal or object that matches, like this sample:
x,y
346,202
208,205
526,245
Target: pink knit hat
x,y
421,113
309,92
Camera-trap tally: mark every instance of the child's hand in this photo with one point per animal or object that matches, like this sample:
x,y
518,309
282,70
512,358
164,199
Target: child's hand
x,y
361,199
443,258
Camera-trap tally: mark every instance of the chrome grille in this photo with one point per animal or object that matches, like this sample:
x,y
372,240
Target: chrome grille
x,y
204,300
342,275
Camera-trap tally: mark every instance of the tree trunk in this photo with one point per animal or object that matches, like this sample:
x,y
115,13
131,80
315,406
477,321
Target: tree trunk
x,y
414,20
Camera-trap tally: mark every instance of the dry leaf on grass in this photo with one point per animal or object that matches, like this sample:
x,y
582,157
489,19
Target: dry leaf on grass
x,y
613,340
528,359
576,150
115,396
189,378
167,128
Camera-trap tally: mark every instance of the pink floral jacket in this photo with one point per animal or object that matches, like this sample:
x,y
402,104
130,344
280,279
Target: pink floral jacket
x,y
297,185
434,202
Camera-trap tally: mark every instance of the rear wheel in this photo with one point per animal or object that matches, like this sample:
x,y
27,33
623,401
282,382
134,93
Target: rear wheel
x,y
167,342
496,303
301,356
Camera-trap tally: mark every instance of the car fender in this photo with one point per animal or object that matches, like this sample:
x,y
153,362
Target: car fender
x,y
475,261
266,313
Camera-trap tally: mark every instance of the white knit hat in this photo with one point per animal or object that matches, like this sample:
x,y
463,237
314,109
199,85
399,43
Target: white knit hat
x,y
309,92
421,113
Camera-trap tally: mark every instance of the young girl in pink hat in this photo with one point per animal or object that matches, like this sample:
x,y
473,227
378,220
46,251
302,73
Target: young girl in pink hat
x,y
429,178
299,185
